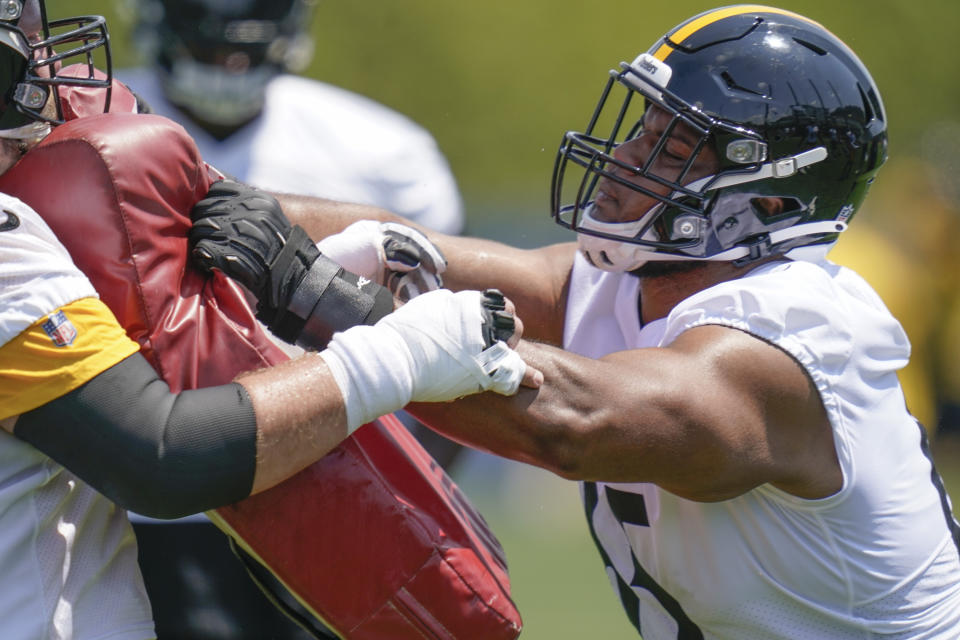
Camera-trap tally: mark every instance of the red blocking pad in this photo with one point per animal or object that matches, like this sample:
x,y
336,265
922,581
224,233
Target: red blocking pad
x,y
374,539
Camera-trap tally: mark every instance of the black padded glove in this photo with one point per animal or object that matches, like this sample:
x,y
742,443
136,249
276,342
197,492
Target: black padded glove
x,y
301,296
243,232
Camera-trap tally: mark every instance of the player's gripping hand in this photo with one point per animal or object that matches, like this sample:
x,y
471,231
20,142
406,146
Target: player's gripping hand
x,y
302,296
438,347
391,254
242,231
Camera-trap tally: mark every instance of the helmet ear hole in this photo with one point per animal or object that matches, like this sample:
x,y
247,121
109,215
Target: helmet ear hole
x,y
768,207
773,208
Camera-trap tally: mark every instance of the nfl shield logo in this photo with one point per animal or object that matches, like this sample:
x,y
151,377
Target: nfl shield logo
x,y
60,329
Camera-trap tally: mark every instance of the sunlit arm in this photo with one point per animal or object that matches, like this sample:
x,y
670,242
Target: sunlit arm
x,y
712,416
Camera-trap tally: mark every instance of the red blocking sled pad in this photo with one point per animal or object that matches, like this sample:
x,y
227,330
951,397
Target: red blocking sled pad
x,y
374,539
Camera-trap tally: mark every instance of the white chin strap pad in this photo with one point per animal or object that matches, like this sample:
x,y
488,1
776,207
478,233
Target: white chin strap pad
x,y
610,255
617,256
613,255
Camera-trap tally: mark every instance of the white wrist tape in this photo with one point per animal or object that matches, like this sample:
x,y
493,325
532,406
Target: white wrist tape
x,y
429,350
371,365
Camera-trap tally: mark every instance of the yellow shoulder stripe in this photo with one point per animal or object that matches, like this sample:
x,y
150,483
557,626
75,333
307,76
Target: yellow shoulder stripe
x,y
709,18
35,369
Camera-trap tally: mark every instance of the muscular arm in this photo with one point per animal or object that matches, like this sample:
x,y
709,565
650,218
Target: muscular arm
x,y
169,454
300,417
713,415
536,279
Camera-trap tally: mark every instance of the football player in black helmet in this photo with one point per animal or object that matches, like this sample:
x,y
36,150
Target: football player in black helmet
x,y
790,118
728,397
215,58
37,57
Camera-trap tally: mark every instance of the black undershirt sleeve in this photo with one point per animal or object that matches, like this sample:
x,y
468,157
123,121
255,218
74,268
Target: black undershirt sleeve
x,y
154,452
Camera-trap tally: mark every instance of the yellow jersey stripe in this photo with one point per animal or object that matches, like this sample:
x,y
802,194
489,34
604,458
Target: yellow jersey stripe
x,y
695,25
34,370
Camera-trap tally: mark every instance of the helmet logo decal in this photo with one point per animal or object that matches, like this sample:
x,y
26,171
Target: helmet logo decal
x,y
30,95
845,212
648,73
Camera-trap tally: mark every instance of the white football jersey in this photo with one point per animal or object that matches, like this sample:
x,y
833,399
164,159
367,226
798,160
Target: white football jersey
x,y
321,140
68,558
877,559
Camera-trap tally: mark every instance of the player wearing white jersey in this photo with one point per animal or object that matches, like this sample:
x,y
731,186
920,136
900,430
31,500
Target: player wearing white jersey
x,y
279,131
728,397
655,543
314,138
66,549
88,428
66,367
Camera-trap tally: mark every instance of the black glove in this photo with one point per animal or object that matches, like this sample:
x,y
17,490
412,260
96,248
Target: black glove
x,y
243,232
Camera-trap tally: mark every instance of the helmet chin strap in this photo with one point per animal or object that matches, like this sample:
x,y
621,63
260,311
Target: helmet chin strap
x,y
617,256
29,133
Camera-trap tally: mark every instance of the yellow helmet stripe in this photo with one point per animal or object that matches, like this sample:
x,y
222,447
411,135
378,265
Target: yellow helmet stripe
x,y
709,18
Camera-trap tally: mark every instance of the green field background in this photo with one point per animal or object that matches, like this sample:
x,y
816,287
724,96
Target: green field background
x,y
498,82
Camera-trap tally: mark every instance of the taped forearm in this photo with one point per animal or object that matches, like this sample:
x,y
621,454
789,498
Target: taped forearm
x,y
151,451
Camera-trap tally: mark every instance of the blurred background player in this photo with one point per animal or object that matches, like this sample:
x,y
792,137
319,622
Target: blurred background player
x,y
226,72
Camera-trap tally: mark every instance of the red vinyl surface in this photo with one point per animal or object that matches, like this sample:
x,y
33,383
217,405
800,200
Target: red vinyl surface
x,y
375,538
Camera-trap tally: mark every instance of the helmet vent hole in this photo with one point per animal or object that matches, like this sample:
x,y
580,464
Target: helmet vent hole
x,y
867,107
809,45
732,84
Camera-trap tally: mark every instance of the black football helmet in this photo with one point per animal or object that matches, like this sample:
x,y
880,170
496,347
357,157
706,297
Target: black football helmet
x,y
217,56
789,112
37,56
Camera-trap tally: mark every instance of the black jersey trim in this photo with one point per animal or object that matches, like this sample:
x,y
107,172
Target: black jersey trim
x,y
937,481
686,628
